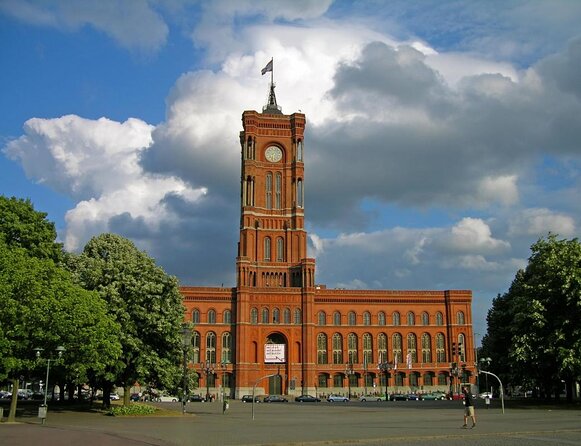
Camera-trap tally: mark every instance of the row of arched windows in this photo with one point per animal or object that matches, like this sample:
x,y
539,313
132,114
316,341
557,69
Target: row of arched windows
x,y
211,316
366,318
371,351
265,316
279,249
226,349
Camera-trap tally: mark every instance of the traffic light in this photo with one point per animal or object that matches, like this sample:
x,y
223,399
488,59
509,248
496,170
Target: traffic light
x,y
453,349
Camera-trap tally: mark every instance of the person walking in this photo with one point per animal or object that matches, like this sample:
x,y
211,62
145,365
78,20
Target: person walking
x,y
468,408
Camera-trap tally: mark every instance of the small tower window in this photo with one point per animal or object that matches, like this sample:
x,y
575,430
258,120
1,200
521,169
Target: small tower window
x,y
269,190
267,254
278,191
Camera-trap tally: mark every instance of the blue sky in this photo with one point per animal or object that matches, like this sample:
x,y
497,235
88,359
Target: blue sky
x,y
443,137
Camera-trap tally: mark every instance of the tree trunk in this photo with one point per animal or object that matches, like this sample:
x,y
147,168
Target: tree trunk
x,y
107,387
14,401
126,395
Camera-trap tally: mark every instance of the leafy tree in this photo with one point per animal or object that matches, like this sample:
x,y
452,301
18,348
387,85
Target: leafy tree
x,y
538,319
145,302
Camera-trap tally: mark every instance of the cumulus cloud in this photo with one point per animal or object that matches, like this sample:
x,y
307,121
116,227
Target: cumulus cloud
x,y
539,222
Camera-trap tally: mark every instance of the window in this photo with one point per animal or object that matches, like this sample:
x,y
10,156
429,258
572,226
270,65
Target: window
x,y
352,318
413,379
278,191
279,249
399,379
265,318
425,318
396,344
267,255
298,318
323,380
367,318
337,318
396,319
439,319
211,317
227,317
300,193
275,316
269,190
352,348
196,316
322,318
254,316
442,381
337,349
322,348
211,347
412,348
196,347
226,348
367,349
428,379
426,348
381,318
338,380
440,350
286,316
300,150
411,318
460,318
382,348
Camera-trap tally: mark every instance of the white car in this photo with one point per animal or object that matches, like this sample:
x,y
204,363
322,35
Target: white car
x,y
167,399
485,395
114,397
372,398
337,398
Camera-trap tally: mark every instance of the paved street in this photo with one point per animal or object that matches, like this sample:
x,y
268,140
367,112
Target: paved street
x,y
393,423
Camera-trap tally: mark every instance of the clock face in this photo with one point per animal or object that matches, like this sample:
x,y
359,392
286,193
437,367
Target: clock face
x,y
273,154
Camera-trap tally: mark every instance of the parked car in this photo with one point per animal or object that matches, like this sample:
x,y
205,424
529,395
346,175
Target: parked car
x,y
248,399
307,399
275,399
114,397
398,397
135,397
413,397
485,395
167,399
337,398
370,398
197,399
433,396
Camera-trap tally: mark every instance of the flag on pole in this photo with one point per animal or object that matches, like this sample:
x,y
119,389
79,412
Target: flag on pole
x,y
267,68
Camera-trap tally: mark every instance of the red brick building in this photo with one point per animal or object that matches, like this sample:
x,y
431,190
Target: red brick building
x,y
277,321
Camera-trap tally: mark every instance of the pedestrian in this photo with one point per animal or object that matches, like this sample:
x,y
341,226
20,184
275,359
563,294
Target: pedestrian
x,y
468,408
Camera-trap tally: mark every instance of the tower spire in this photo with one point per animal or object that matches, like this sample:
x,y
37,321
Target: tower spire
x,y
271,106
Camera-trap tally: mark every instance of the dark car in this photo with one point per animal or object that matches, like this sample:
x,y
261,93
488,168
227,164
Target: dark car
x,y
398,397
413,397
275,399
135,397
307,399
248,399
197,399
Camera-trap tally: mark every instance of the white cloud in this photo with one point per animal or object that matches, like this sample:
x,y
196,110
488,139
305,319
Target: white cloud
x,y
539,222
473,235
502,189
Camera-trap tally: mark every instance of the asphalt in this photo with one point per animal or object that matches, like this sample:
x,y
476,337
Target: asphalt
x,y
372,423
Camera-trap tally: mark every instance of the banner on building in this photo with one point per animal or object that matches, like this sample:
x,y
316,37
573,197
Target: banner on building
x,y
274,353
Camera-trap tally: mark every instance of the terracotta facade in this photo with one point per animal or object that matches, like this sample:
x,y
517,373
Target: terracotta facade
x,y
278,332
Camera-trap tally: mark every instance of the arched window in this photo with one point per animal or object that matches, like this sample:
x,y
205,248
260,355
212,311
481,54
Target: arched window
x,y
322,348
227,316
411,318
265,314
336,318
300,193
322,318
211,317
440,350
196,347
439,319
352,348
382,348
211,347
226,348
275,316
412,348
352,318
196,316
286,316
396,344
267,253
269,190
298,318
254,316
300,150
279,249
337,349
460,318
426,348
367,318
395,318
381,318
425,318
278,191
367,349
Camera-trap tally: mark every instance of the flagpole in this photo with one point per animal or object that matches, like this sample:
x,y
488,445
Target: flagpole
x,y
272,71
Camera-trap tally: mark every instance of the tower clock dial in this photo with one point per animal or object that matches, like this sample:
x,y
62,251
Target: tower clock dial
x,y
273,154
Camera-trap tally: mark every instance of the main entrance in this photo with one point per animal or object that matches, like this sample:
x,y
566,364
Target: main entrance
x,y
275,385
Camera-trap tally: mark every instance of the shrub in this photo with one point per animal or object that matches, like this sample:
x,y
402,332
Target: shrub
x,y
132,409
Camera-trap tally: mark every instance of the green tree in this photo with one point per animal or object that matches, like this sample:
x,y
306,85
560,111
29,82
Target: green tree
x,y
146,303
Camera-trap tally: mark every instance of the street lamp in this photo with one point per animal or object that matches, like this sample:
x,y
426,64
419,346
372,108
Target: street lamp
x,y
42,410
485,361
384,367
186,344
348,372
223,366
208,369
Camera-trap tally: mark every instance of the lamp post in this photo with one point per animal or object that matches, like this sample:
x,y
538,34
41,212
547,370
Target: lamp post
x,y
476,362
384,367
224,367
42,410
348,372
186,344
485,362
208,369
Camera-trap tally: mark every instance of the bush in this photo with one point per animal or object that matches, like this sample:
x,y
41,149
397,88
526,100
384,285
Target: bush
x,y
132,409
